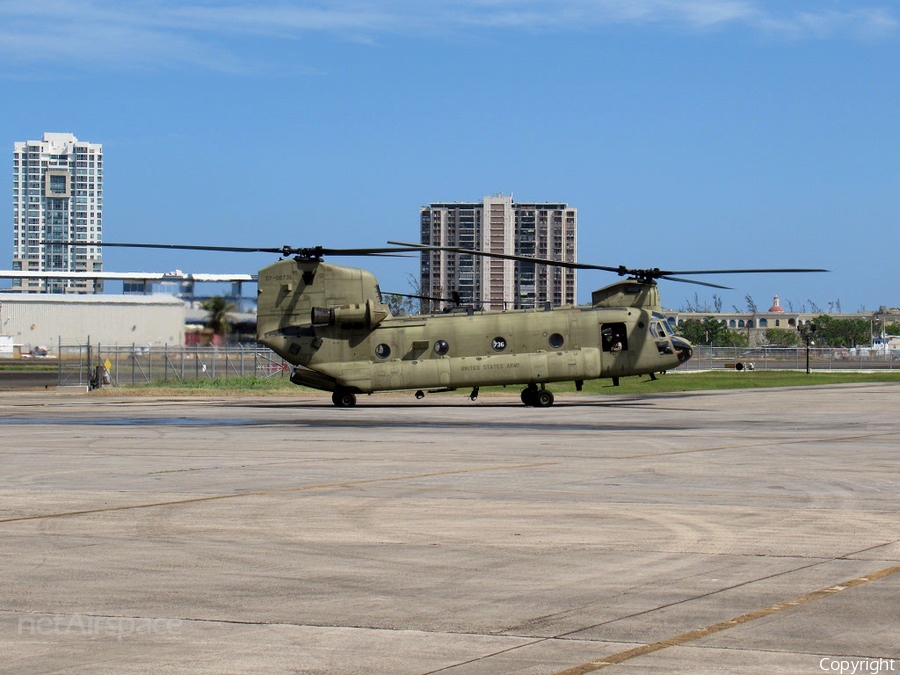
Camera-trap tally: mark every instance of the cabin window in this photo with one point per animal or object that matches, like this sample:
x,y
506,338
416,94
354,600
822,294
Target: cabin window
x,y
498,344
614,337
556,340
382,351
441,347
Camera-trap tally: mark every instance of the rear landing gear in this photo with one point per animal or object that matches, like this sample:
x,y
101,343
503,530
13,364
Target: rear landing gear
x,y
343,398
539,398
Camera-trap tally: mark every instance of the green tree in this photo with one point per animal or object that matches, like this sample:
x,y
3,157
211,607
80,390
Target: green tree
x,y
832,332
782,337
401,305
218,309
892,328
711,332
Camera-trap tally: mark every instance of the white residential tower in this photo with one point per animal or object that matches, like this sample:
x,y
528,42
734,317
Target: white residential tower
x,y
57,197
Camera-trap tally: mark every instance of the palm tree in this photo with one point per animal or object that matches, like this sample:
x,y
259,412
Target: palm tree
x,y
218,308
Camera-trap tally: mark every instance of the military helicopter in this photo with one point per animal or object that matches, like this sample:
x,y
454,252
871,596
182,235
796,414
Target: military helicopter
x,y
332,324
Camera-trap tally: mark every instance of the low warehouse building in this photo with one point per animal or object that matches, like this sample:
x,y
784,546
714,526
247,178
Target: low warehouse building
x,y
34,320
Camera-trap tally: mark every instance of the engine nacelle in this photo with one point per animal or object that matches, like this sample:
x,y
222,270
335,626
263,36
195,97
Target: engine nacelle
x,y
367,315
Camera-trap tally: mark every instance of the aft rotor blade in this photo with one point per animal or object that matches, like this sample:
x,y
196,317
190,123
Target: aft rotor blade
x,y
310,252
386,251
693,281
174,247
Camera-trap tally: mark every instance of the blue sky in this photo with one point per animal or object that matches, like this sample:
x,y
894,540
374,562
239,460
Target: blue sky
x,y
688,133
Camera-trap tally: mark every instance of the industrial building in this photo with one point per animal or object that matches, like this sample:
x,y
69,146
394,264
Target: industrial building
x,y
57,197
499,225
45,320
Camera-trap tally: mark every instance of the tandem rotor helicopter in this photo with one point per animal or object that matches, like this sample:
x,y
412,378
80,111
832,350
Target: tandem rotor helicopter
x,y
331,323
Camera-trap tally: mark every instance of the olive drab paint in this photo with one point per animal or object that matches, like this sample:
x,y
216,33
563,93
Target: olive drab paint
x,y
329,321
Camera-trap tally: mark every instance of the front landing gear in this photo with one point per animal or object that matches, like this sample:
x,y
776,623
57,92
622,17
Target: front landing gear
x,y
343,398
538,398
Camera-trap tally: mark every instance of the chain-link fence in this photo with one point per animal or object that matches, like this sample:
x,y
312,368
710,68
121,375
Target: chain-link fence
x,y
123,365
791,358
120,365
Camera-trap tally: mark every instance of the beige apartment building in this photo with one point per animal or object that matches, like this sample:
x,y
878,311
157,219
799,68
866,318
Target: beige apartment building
x,y
499,225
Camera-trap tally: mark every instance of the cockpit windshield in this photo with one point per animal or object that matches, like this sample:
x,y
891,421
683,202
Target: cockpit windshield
x,y
665,329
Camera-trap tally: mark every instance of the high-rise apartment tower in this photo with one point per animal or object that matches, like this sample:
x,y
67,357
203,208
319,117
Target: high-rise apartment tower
x,y
57,197
499,225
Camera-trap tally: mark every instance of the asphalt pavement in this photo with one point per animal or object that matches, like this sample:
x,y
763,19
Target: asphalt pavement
x,y
751,531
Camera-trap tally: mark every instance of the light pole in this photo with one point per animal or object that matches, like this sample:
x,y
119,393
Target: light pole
x,y
807,331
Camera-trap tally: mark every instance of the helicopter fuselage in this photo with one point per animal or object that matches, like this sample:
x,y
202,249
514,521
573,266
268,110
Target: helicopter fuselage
x,y
330,323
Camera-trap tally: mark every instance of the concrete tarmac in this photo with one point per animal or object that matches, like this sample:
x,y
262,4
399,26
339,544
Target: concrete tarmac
x,y
752,531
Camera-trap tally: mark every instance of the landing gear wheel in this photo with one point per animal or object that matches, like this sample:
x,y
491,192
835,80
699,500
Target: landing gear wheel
x,y
543,398
343,399
529,395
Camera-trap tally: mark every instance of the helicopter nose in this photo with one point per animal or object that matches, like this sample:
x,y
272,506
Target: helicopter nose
x,y
683,348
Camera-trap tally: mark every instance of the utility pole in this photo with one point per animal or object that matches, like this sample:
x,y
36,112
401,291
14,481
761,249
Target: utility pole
x,y
807,331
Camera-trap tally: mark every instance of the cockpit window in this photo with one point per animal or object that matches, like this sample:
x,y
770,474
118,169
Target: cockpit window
x,y
664,328
659,329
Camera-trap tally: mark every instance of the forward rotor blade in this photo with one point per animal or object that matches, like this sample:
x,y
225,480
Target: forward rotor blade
x,y
621,270
780,270
506,256
420,297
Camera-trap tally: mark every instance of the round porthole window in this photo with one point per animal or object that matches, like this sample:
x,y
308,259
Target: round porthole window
x,y
382,351
498,344
441,347
556,340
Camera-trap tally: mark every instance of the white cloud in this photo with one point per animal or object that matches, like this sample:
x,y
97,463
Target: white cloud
x,y
197,33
